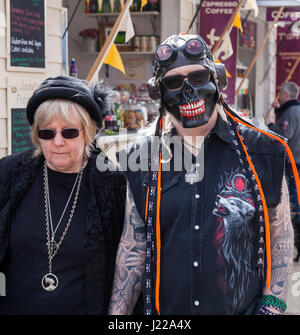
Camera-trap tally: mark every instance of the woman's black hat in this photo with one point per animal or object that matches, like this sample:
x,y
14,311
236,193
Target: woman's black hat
x,y
94,98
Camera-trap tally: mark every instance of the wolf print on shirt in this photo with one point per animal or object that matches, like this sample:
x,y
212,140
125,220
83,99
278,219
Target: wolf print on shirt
x,y
234,209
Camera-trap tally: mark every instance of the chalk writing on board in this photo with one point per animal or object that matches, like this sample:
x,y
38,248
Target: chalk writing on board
x,y
20,130
27,30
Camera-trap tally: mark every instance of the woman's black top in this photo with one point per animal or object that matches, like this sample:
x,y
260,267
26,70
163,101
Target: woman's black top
x,y
26,260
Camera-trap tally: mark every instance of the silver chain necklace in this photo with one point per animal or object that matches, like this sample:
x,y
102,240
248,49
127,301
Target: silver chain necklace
x,y
50,280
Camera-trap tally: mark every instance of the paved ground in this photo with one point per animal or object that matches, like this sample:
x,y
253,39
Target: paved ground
x,y
293,299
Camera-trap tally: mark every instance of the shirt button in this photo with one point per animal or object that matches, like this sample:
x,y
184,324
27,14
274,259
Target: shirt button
x,y
196,303
197,196
196,264
197,227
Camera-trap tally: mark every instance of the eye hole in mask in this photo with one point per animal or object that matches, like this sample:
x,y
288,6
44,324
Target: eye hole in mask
x,y
197,78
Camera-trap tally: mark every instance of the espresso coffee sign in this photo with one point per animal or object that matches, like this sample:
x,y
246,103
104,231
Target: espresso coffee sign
x,y
27,34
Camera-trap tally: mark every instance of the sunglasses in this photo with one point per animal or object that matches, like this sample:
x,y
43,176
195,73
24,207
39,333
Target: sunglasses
x,y
49,134
196,78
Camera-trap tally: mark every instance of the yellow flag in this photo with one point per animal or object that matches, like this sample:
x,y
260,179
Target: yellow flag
x,y
237,22
113,59
227,73
143,3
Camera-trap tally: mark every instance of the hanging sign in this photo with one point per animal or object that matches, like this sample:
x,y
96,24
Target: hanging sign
x,y
213,18
26,35
288,42
288,14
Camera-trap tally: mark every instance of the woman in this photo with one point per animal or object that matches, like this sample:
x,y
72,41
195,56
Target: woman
x,y
60,217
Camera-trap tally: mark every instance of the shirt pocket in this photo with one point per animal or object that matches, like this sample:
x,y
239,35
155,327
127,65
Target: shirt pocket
x,y
168,185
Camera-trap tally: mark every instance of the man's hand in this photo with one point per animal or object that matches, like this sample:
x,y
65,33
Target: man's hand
x,y
275,104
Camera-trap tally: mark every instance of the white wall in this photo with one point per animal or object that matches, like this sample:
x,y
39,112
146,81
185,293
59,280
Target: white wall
x,y
187,10
262,89
53,62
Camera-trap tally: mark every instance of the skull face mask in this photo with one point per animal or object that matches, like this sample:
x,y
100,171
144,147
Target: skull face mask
x,y
193,103
192,97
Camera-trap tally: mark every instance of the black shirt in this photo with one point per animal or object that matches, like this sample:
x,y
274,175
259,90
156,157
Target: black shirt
x,y
26,260
194,240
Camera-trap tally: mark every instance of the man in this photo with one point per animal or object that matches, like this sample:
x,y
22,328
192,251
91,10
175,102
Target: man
x,y
287,112
196,238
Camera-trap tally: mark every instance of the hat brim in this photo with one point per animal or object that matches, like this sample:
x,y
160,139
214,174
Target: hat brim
x,y
66,93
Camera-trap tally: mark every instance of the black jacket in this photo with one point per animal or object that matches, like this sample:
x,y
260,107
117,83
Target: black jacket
x,y
107,192
288,125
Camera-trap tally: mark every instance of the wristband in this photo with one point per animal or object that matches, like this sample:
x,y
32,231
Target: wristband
x,y
272,301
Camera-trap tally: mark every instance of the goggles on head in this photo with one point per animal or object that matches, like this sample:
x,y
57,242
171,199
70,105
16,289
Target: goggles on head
x,y
192,48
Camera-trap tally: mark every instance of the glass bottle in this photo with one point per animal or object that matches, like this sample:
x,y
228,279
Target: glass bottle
x,y
118,117
107,121
93,6
87,8
106,7
73,69
117,6
99,6
136,5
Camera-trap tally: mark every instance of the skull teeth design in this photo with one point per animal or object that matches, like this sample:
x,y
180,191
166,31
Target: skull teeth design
x,y
192,110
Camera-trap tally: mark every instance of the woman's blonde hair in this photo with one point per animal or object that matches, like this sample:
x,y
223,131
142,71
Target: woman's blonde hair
x,y
61,109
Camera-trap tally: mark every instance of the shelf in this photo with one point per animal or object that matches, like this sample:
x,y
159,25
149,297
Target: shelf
x,y
117,13
105,17
135,53
247,49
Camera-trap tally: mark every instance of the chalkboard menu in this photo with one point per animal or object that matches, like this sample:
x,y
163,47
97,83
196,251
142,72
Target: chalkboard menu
x,y
20,131
27,33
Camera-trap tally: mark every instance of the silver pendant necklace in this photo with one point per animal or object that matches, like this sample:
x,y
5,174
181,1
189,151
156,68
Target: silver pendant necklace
x,y
192,176
50,280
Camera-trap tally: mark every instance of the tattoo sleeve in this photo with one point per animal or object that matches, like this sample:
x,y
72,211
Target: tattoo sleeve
x,y
282,243
130,262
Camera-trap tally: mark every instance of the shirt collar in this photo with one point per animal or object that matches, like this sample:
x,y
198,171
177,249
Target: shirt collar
x,y
221,130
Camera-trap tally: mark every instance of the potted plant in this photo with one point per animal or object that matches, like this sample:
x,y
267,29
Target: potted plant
x,y
90,39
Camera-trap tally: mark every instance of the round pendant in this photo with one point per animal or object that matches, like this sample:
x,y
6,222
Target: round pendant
x,y
49,282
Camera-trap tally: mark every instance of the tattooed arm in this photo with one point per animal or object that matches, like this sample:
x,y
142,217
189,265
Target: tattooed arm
x,y
130,262
282,243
